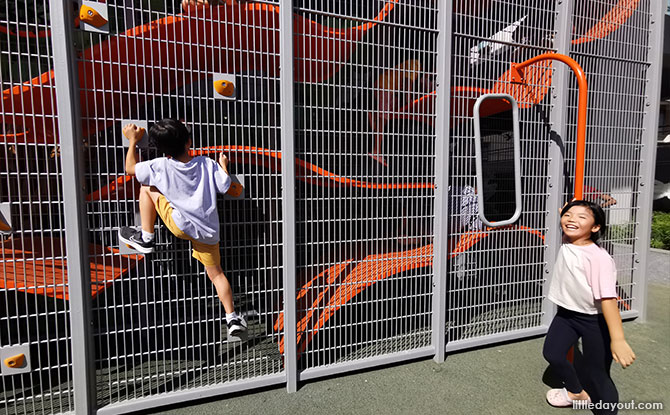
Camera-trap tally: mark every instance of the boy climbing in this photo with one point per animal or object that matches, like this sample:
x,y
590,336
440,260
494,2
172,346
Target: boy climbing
x,y
181,189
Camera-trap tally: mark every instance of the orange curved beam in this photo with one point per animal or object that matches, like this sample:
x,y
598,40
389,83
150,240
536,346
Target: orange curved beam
x,y
518,77
305,171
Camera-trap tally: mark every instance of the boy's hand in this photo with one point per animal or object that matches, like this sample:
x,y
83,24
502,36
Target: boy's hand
x,y
133,133
223,161
622,353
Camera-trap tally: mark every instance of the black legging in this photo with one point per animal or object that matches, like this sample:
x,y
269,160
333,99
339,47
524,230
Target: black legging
x,y
565,329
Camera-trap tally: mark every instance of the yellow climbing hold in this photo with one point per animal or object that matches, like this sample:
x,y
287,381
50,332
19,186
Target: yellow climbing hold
x,y
15,361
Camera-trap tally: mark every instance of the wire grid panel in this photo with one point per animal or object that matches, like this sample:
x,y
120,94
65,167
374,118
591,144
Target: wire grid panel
x,y
615,60
33,284
158,323
364,198
495,275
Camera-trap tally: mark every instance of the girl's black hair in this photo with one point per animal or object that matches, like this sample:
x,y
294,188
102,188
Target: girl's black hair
x,y
598,216
170,137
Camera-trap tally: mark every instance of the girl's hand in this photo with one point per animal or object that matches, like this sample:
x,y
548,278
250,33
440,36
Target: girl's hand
x,y
622,353
133,133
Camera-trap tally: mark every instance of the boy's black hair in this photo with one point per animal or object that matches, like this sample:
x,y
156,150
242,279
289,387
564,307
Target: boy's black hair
x,y
598,216
170,137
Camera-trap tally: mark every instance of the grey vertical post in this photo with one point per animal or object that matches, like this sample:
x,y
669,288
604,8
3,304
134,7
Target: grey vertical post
x,y
288,190
70,133
442,109
648,156
557,135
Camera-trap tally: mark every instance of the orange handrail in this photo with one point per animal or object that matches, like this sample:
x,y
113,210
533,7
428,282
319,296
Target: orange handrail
x,y
518,77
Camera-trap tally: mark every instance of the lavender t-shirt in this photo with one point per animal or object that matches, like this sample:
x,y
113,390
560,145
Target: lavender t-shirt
x,y
191,189
582,274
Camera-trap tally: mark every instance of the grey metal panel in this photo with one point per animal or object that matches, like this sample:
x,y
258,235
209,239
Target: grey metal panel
x,y
497,275
159,325
648,156
364,198
76,236
442,163
288,193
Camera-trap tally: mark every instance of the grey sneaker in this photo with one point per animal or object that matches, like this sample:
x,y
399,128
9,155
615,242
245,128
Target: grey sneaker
x,y
237,326
133,238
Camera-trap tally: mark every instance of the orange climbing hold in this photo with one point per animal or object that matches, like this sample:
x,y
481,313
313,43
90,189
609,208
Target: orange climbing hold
x,y
225,88
91,16
235,190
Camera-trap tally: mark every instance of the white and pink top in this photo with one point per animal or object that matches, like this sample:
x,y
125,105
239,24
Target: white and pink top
x,y
582,275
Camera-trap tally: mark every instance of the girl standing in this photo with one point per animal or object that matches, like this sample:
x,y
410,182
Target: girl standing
x,y
584,288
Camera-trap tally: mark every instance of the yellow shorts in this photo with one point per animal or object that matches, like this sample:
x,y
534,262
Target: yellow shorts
x,y
208,255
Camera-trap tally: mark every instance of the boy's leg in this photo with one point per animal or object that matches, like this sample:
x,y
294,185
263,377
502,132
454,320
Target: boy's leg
x,y
143,241
148,198
223,290
237,326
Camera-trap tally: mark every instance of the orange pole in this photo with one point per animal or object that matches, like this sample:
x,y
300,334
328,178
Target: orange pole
x,y
580,156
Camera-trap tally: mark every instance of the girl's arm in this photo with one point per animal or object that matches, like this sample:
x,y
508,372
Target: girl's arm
x,y
621,351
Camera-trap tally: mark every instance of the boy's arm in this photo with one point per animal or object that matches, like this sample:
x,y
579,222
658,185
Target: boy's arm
x,y
134,135
223,184
223,162
621,351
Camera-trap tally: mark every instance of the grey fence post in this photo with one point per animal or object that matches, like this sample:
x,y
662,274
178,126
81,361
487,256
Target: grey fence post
x,y
648,157
440,267
288,191
79,284
557,135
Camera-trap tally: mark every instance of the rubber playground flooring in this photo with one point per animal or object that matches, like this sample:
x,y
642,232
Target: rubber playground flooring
x,y
511,378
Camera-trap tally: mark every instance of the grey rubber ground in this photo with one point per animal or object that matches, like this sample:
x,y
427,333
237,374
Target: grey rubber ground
x,y
501,379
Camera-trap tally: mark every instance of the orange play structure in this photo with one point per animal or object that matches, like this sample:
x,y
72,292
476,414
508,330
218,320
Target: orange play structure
x,y
237,31
49,276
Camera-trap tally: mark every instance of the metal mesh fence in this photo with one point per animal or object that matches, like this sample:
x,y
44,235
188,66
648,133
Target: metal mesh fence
x,y
615,59
365,142
495,275
159,325
34,316
364,81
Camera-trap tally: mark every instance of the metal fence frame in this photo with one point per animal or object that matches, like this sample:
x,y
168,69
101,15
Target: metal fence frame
x,y
80,315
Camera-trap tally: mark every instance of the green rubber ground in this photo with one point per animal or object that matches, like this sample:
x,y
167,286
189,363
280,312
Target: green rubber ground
x,y
502,379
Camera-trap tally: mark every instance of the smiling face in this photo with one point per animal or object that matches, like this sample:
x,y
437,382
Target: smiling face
x,y
578,224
